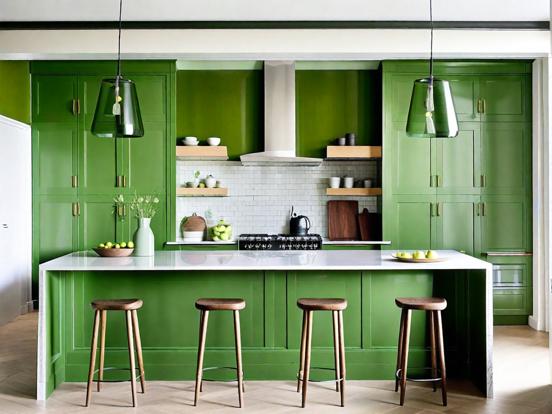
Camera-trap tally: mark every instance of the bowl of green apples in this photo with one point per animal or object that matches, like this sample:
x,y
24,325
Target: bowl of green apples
x,y
418,256
221,232
114,249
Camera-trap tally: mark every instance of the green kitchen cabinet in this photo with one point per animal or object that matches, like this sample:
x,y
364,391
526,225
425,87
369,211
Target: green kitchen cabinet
x,y
456,224
58,220
410,220
505,158
465,92
98,222
54,99
505,98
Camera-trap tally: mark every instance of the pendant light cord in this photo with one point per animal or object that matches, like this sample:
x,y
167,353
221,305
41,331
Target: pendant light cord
x,y
119,40
431,41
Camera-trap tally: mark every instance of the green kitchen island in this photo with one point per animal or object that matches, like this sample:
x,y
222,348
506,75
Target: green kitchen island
x,y
270,282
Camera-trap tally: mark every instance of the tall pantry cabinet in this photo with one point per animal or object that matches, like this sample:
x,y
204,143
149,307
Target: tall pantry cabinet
x,y
77,174
471,193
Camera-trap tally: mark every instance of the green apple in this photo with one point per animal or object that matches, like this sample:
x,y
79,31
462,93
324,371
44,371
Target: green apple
x,y
418,255
109,245
123,245
216,238
407,255
117,246
130,245
224,237
101,245
431,254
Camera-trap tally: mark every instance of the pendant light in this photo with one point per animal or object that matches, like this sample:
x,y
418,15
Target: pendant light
x,y
431,113
117,110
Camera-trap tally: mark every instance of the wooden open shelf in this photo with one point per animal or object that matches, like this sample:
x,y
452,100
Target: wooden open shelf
x,y
359,192
202,152
353,152
201,192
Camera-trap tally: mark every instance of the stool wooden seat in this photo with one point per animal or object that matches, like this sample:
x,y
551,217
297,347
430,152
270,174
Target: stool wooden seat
x,y
427,304
130,307
206,305
220,304
117,304
322,304
438,374
310,305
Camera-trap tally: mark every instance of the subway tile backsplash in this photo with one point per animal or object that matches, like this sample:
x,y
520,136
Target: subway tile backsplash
x,y
260,198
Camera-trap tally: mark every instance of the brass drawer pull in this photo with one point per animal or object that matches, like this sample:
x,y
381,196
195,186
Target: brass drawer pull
x,y
124,180
74,181
497,254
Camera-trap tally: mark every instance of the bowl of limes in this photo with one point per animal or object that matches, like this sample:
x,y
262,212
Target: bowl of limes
x,y
114,249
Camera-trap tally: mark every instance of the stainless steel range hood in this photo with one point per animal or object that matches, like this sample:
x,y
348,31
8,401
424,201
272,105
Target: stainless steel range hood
x,y
279,104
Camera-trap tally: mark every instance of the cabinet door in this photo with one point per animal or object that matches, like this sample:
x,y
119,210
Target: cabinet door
x,y
458,161
504,223
58,228
98,167
412,160
54,98
456,223
506,98
505,158
399,91
145,159
55,149
465,91
413,223
98,222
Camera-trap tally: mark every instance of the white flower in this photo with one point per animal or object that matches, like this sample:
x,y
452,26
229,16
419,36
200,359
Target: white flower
x,y
140,199
155,200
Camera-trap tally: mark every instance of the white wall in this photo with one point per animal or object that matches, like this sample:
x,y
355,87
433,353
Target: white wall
x,y
36,10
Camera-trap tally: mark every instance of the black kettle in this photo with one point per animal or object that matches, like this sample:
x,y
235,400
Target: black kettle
x,y
298,225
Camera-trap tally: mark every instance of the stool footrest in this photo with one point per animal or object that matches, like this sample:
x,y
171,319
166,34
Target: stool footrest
x,y
138,375
217,368
437,379
341,379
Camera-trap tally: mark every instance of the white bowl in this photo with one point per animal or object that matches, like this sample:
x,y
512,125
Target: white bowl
x,y
213,141
191,144
191,140
192,236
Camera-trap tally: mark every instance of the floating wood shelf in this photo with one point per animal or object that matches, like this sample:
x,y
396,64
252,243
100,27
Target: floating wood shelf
x,y
352,152
360,192
201,192
201,152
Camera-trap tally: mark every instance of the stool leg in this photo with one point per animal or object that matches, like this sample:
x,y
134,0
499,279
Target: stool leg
x,y
201,315
201,351
441,350
239,367
139,354
342,357
404,354
433,350
399,348
306,365
93,347
130,337
337,359
103,319
302,351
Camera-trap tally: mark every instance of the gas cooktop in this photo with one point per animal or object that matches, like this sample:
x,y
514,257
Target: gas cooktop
x,y
279,242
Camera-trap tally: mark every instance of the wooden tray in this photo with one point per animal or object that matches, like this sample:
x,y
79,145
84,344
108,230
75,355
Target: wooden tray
x,y
342,220
122,252
401,259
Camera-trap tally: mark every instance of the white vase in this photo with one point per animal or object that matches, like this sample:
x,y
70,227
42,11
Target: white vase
x,y
144,240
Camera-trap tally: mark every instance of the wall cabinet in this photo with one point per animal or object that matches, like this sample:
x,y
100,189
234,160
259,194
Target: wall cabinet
x,y
470,193
77,174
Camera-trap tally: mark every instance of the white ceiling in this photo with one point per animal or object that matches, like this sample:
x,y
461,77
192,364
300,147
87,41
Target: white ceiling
x,y
160,10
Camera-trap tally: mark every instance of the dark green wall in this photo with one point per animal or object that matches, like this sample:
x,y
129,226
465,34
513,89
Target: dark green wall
x,y
15,90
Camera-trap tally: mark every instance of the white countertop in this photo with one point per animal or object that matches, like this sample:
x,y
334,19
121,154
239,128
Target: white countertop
x,y
259,260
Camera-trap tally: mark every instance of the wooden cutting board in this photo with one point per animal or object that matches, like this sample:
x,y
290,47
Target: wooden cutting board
x,y
342,220
369,226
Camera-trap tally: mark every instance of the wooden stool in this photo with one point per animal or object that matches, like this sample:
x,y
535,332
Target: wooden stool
x,y
206,305
434,306
336,306
129,306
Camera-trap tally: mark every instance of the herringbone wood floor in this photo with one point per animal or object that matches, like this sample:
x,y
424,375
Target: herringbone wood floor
x,y
521,375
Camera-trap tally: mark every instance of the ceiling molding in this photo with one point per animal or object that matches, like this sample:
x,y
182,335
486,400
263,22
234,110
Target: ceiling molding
x,y
310,24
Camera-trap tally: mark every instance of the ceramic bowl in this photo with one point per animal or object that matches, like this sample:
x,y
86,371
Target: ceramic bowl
x,y
122,252
192,236
213,141
190,140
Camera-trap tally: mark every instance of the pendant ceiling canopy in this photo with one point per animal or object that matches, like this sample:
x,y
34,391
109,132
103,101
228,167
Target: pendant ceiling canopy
x,y
117,112
431,113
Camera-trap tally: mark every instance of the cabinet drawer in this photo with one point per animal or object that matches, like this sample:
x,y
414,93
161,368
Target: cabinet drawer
x,y
510,301
514,275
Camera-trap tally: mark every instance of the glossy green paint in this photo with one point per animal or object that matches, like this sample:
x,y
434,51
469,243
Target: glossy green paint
x,y
15,84
330,103
480,180
271,322
222,103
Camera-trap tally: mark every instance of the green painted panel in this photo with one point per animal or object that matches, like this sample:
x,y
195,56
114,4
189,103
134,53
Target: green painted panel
x,y
512,271
324,284
397,91
510,301
15,84
58,227
456,223
465,92
413,224
53,99
458,161
506,154
55,145
227,104
507,98
330,103
97,222
381,316
503,224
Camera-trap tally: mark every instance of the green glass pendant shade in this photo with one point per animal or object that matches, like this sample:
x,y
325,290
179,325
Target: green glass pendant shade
x,y
118,121
431,113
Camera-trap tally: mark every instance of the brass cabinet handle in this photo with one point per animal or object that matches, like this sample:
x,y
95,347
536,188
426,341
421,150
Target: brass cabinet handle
x,y
438,180
74,209
483,180
484,105
431,209
118,181
483,209
479,110
476,206
78,107
74,106
74,181
124,180
438,209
